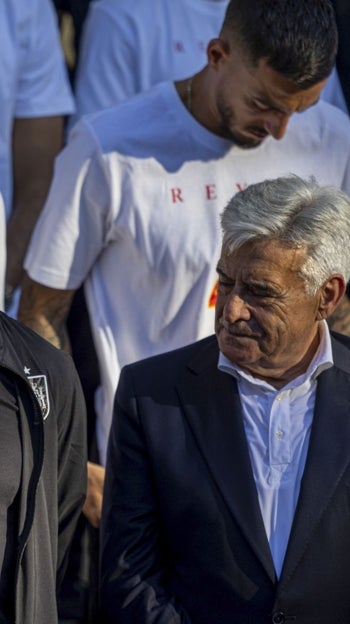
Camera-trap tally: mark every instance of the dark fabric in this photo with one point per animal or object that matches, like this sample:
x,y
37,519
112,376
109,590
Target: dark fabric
x,y
78,594
10,477
52,420
85,359
342,12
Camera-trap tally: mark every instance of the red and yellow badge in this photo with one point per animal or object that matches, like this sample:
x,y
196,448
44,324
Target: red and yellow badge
x,y
213,297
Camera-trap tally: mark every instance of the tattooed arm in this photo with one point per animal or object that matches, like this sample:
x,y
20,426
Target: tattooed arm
x,y
45,310
35,144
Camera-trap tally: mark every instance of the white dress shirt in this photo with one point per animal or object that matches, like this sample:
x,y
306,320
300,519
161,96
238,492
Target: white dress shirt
x,y
277,425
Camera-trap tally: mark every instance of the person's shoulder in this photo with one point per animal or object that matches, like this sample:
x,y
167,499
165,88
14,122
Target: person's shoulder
x,y
158,377
330,113
129,126
324,120
194,356
22,348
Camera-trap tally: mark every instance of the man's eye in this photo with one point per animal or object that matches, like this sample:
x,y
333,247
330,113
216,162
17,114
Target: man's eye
x,y
259,106
224,284
261,292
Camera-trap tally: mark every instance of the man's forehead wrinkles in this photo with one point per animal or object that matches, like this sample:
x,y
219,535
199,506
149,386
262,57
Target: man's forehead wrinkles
x,y
250,275
261,267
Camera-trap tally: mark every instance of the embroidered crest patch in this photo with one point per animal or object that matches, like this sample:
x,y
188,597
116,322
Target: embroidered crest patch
x,y
39,387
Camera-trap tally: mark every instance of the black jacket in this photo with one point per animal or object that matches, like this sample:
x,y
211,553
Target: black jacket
x,y
182,535
52,426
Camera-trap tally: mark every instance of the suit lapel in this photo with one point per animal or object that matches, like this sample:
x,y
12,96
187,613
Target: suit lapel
x,y
328,457
211,405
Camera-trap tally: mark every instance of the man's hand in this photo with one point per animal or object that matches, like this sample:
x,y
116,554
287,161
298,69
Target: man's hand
x,y
93,503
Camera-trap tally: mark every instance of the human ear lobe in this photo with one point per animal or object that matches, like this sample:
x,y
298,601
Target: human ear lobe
x,y
217,51
331,294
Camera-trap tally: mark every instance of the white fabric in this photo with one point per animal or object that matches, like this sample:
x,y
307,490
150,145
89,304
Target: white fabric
x,y
134,206
32,74
333,92
277,425
128,47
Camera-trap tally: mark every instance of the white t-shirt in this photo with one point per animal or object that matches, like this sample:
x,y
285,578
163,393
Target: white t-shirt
x,y
32,74
128,46
2,252
134,208
333,92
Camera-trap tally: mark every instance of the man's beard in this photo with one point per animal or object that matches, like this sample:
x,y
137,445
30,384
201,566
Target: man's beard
x,y
227,121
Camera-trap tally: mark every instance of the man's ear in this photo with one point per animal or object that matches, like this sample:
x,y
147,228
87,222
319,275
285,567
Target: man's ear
x,y
331,294
218,51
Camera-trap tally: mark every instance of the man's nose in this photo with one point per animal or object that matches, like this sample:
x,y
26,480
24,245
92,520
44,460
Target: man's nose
x,y
235,309
276,124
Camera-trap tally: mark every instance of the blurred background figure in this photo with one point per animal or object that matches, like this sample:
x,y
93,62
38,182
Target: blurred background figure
x,y
129,46
35,97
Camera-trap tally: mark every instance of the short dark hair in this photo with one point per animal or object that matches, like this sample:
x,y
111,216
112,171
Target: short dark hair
x,y
298,38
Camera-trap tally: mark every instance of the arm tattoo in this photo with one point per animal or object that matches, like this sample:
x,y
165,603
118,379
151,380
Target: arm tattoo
x,y
45,311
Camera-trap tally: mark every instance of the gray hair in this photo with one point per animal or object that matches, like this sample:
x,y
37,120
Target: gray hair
x,y
297,213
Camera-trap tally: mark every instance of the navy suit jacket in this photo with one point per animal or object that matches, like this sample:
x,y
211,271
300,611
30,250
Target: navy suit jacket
x,y
182,538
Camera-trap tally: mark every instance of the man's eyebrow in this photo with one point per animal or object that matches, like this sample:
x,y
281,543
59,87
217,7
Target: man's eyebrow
x,y
220,271
271,104
276,106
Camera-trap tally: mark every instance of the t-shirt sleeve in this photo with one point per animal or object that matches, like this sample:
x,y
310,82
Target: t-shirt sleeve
x,y
43,87
75,223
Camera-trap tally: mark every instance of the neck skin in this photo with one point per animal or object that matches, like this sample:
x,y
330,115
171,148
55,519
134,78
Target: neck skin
x,y
199,103
281,378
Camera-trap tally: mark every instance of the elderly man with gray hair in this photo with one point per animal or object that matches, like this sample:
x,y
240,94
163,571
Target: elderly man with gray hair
x,y
228,474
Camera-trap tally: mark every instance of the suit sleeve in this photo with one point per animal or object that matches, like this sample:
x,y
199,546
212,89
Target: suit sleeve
x,y
133,565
